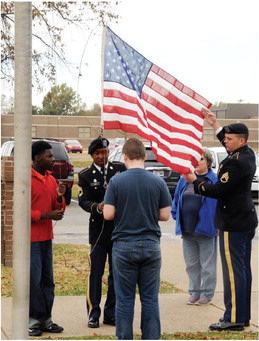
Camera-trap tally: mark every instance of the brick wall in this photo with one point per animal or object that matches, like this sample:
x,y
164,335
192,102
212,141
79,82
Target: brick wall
x,y
7,210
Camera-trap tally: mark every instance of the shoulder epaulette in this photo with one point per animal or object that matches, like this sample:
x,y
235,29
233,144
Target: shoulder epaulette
x,y
236,155
83,170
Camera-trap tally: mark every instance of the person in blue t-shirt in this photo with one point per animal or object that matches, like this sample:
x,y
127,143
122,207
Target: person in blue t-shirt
x,y
136,200
195,220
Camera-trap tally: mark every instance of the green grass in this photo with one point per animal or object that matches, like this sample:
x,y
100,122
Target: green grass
x,y
71,270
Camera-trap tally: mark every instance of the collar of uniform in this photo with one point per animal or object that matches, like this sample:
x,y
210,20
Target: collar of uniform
x,y
243,148
99,168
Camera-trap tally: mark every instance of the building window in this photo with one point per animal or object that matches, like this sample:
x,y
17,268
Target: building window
x,y
33,131
84,132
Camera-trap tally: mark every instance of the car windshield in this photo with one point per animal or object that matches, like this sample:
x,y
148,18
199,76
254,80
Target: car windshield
x,y
72,142
222,156
150,155
59,151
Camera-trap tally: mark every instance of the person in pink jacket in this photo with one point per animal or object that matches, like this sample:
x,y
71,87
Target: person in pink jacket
x,y
47,204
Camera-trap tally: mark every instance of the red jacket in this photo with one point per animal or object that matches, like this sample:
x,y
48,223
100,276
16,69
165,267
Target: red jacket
x,y
43,199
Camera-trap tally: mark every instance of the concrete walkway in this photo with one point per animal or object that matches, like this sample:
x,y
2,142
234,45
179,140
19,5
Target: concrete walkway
x,y
176,316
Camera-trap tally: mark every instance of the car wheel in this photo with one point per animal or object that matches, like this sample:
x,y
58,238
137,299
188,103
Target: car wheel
x,y
68,195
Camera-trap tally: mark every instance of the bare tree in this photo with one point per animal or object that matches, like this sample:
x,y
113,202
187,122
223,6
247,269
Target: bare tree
x,y
49,21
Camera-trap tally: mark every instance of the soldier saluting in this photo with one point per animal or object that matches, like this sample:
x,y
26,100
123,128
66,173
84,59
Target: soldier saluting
x,y
235,218
93,182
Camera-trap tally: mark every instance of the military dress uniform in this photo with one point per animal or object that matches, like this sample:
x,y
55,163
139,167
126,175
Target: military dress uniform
x,y
236,220
93,185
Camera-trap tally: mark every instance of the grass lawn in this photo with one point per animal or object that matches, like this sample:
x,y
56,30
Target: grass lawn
x,y
71,270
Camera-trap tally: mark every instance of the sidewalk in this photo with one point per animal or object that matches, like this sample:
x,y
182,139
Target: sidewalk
x,y
176,316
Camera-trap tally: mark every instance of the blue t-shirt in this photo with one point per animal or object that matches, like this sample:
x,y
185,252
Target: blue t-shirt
x,y
137,195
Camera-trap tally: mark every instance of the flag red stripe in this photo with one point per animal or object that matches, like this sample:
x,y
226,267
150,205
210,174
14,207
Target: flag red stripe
x,y
126,112
172,98
169,112
169,127
154,118
180,86
135,130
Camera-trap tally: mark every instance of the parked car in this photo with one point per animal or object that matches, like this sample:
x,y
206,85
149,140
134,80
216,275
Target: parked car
x,y
63,168
73,146
219,154
151,164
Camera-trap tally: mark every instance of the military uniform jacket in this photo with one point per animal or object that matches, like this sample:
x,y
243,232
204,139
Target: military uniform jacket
x,y
92,193
235,208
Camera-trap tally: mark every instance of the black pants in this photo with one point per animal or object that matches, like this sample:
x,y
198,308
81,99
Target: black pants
x,y
235,251
98,258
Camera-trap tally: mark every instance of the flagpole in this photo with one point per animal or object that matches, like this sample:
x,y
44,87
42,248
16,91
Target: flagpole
x,y
102,73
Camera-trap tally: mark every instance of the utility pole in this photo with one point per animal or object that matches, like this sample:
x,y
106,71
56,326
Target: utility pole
x,y
22,170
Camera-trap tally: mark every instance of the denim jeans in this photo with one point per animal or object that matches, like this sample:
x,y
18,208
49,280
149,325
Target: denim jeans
x,y
200,254
137,263
41,283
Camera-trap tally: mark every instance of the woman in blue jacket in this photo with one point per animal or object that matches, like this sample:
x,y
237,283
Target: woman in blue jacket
x,y
195,220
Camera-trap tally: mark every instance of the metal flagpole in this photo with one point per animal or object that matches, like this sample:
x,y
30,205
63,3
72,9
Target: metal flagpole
x,y
22,170
102,73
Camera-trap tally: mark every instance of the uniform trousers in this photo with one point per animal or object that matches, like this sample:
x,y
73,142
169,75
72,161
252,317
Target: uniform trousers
x,y
235,251
99,253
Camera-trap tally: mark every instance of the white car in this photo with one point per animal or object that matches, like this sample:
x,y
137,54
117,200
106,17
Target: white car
x,y
219,154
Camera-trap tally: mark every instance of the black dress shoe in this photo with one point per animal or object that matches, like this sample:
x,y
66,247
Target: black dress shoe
x,y
109,320
93,322
222,326
246,324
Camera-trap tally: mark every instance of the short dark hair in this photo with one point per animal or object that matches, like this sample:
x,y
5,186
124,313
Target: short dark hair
x,y
134,149
39,147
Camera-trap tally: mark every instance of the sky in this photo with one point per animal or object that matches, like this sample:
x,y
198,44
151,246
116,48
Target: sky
x,y
210,46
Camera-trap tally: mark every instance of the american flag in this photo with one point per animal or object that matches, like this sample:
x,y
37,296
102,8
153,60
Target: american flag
x,y
141,98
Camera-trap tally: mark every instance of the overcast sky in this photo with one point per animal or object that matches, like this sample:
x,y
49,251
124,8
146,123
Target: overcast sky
x,y
210,46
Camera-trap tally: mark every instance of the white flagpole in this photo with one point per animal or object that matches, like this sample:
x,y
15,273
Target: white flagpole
x,y
102,73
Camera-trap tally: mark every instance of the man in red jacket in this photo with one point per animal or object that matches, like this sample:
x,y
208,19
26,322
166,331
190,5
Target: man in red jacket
x,y
47,204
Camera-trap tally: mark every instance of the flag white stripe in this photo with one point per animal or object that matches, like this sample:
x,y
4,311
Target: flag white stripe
x,y
113,101
124,119
176,92
178,110
124,104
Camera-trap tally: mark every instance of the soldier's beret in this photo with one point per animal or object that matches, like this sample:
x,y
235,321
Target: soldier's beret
x,y
97,144
236,128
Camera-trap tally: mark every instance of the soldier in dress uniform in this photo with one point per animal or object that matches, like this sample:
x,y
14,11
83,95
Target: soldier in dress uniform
x,y
236,220
93,182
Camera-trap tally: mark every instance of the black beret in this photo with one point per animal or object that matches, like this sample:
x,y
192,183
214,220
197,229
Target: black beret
x,y
97,144
236,128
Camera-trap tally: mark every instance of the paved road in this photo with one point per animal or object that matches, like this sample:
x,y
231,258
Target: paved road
x,y
73,229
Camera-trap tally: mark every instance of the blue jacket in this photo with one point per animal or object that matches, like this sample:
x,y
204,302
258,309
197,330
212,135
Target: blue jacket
x,y
206,223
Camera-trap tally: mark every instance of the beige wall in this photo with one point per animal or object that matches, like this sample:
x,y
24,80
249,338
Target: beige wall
x,y
86,128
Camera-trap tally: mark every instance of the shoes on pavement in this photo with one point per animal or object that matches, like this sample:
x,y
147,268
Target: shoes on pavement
x,y
109,320
35,332
203,301
93,322
53,328
192,300
223,326
246,324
